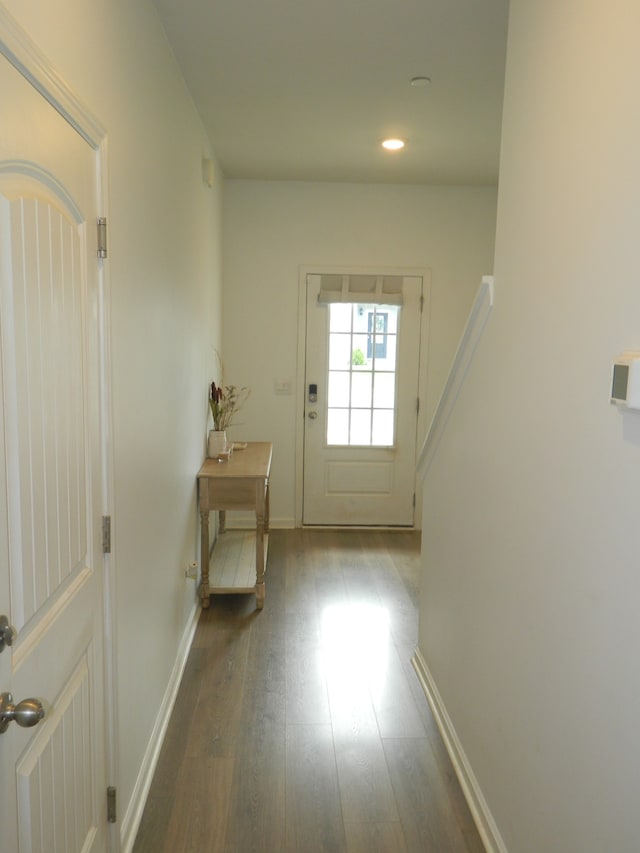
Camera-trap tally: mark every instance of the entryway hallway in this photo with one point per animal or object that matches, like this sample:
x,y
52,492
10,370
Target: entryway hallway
x,y
303,727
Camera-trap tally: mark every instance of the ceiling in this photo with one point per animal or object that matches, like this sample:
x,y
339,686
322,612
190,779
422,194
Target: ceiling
x,y
307,89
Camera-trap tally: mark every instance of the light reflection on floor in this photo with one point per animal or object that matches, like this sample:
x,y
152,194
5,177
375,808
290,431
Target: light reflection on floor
x,y
355,646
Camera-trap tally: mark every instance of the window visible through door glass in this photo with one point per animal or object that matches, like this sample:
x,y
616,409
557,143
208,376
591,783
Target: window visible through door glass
x,y
362,374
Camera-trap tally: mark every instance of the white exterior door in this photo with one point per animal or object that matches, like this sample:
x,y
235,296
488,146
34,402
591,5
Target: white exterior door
x,y
361,393
52,776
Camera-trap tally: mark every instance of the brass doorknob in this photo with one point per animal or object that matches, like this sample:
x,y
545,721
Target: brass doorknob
x,y
27,713
7,633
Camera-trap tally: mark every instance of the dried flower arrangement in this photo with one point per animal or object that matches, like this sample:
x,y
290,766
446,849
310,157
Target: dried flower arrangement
x,y
225,401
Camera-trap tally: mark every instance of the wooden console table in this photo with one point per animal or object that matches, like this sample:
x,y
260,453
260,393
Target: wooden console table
x,y
239,558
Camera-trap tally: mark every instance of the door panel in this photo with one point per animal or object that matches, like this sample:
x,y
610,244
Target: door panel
x,y
346,477
45,440
361,388
52,777
53,770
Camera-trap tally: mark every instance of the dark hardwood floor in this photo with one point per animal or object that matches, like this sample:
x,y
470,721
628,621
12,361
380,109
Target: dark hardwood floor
x,y
303,727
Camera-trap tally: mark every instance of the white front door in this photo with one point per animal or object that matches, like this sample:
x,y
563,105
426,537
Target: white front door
x,y
361,393
52,776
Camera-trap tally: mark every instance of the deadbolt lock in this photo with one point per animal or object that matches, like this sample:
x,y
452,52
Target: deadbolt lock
x,y
7,633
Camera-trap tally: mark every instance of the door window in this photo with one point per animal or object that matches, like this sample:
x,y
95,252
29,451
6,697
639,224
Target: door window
x,y
362,374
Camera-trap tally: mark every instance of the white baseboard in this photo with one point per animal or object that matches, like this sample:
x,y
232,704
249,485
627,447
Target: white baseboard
x,y
131,820
482,817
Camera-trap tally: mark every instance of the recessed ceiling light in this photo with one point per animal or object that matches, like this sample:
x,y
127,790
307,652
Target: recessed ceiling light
x,y
393,144
420,82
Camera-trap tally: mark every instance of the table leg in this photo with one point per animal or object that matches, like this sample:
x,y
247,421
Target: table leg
x,y
204,559
222,521
260,585
266,508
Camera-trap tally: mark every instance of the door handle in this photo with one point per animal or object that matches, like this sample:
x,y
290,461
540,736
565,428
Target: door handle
x,y
7,633
312,415
27,713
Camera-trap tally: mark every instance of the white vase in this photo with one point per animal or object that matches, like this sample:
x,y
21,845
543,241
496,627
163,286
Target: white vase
x,y
216,443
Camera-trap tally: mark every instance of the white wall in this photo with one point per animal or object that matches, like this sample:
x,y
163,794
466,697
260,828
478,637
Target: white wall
x,y
165,294
272,229
529,605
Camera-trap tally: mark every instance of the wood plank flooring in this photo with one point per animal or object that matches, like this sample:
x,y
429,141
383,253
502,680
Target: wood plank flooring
x,y
303,727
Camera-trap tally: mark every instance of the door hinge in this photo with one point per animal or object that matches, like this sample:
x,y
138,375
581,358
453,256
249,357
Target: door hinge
x,y
102,237
106,534
111,804
421,302
417,405
414,500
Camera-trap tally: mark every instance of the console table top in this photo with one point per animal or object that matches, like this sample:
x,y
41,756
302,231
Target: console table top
x,y
253,461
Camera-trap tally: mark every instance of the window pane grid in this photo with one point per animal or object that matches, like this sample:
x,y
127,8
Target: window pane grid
x,y
362,378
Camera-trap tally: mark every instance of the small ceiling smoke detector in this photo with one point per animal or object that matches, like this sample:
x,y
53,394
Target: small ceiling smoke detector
x,y
420,82
393,144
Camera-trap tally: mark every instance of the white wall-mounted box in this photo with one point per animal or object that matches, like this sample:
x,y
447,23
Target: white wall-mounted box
x,y
625,380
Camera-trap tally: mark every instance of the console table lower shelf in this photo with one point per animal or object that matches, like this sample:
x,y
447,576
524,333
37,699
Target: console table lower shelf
x,y
233,562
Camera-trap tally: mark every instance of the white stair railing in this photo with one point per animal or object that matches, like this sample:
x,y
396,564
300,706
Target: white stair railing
x,y
468,342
